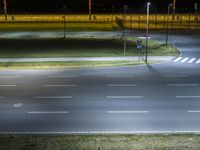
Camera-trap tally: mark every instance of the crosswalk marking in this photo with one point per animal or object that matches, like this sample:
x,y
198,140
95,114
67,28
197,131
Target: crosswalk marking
x,y
198,61
184,60
187,60
192,60
179,58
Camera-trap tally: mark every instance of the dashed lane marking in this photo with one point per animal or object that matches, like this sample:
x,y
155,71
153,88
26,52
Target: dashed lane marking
x,y
69,85
121,85
7,85
125,97
128,112
182,85
48,112
187,96
53,97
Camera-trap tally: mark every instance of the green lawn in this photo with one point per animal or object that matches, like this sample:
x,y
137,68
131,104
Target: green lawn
x,y
100,142
78,47
65,65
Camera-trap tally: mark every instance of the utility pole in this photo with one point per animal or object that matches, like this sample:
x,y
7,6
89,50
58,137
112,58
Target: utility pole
x,y
90,9
124,28
167,31
64,22
174,9
5,8
196,10
147,31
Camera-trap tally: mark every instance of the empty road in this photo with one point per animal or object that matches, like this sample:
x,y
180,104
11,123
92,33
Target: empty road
x,y
158,98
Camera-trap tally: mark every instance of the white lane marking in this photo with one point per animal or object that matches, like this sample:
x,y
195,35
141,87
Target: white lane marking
x,y
121,85
53,97
128,112
63,76
125,97
18,105
185,59
193,111
7,85
179,58
106,132
182,85
192,60
47,112
174,76
198,61
11,76
2,97
187,96
112,76
69,85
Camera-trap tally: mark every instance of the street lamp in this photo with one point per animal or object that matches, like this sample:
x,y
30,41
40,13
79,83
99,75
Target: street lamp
x,y
90,8
147,31
167,31
174,9
5,9
124,30
64,22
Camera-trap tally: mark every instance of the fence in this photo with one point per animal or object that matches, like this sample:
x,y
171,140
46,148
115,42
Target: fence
x,y
131,21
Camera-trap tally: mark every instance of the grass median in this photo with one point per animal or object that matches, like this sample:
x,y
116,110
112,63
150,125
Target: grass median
x,y
67,65
100,142
80,47
76,47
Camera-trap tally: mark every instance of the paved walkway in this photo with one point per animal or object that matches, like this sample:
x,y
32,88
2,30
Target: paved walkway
x,y
152,58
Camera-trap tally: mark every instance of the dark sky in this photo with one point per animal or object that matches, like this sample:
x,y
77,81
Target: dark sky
x,y
21,5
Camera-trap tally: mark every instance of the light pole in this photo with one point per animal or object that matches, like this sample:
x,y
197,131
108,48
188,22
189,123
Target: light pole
x,y
90,8
147,31
113,12
124,28
174,9
5,9
64,22
167,31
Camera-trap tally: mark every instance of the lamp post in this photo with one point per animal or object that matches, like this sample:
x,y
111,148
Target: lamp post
x,y
90,9
167,30
113,12
64,22
147,31
124,28
5,8
174,9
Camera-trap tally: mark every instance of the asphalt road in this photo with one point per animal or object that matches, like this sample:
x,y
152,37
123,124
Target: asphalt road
x,y
143,99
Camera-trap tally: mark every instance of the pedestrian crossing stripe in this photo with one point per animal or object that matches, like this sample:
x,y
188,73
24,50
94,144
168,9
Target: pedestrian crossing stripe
x,y
187,60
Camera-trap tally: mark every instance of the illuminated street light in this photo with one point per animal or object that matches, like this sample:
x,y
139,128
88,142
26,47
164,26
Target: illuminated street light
x,y
147,31
167,31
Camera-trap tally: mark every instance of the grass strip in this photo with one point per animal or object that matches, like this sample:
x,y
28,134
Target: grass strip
x,y
101,142
66,65
79,47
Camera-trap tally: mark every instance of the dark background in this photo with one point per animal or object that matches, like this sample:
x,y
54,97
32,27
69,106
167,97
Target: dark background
x,y
99,6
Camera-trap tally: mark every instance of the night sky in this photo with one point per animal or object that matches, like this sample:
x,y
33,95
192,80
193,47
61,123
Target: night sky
x,y
81,5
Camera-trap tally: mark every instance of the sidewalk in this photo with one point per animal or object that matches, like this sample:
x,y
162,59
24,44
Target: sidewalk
x,y
151,58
